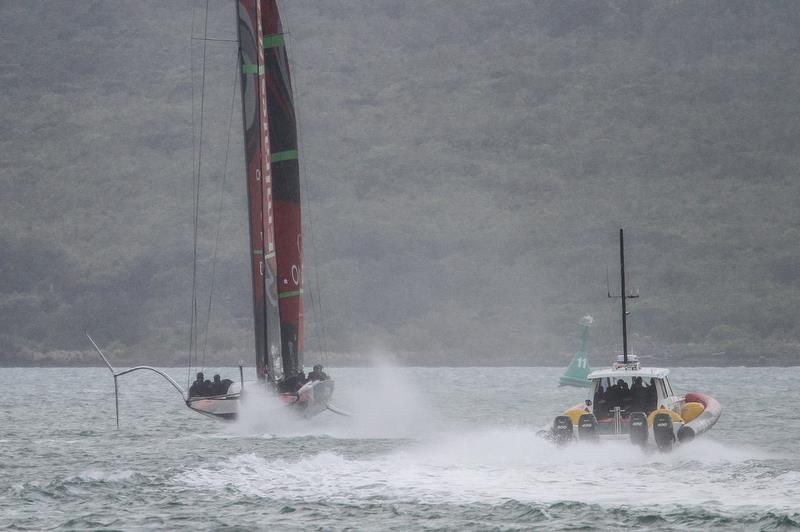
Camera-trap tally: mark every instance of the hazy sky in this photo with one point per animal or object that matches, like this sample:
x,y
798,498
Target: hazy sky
x,y
466,166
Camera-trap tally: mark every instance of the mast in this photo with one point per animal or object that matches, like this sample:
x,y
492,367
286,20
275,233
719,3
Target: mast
x,y
623,298
266,313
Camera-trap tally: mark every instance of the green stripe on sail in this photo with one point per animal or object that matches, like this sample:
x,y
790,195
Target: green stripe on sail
x,y
258,251
274,41
252,69
291,293
288,155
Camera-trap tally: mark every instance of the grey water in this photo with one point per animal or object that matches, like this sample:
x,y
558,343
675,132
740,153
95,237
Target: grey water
x,y
426,448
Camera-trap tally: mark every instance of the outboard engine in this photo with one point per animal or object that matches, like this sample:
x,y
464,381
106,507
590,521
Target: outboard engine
x,y
587,428
638,428
562,430
663,432
685,434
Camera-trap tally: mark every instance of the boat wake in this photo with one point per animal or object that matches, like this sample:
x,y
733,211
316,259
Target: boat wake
x,y
496,465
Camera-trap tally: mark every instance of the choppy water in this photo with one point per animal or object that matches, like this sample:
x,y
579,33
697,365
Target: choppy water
x,y
428,449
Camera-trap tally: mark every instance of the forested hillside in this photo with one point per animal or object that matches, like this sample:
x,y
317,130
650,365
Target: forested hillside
x,y
466,168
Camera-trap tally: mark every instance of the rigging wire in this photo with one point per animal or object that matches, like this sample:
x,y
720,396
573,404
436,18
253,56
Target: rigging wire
x,y
219,206
194,156
196,191
214,40
316,293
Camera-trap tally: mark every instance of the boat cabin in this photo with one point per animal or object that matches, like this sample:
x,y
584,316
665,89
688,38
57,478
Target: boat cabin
x,y
631,389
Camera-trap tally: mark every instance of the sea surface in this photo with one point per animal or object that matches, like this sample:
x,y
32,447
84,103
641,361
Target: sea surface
x,y
425,449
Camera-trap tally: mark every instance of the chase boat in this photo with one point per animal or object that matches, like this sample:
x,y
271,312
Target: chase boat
x,y
629,402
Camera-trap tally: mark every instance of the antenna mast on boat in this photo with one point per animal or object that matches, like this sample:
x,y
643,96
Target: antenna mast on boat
x,y
623,296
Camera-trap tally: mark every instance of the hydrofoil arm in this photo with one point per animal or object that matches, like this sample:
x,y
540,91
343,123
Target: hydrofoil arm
x,y
116,375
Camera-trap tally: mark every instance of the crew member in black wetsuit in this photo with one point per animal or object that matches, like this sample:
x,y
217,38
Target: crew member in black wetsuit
x,y
220,387
198,388
293,383
318,374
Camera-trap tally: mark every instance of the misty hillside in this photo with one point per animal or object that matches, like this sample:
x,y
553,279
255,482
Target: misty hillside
x,y
466,168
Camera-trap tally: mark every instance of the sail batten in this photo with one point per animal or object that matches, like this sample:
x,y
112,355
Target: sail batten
x,y
274,41
280,156
253,69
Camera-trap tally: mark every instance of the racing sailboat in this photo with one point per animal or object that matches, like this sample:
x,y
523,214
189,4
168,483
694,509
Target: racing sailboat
x,y
273,191
578,370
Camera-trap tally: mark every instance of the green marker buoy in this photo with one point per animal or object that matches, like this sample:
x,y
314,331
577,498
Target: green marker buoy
x,y
578,369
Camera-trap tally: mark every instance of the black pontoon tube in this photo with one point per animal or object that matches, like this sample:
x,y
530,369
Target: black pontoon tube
x,y
702,423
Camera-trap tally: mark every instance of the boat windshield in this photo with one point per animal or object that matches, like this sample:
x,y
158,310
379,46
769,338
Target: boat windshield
x,y
668,387
630,394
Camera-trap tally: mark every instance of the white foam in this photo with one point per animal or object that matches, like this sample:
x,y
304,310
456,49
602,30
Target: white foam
x,y
387,405
499,464
263,414
480,465
98,475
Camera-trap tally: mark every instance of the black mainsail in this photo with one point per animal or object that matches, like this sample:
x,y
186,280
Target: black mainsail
x,y
273,180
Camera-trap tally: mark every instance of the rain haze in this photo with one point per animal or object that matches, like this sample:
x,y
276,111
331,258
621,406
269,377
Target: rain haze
x,y
466,170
